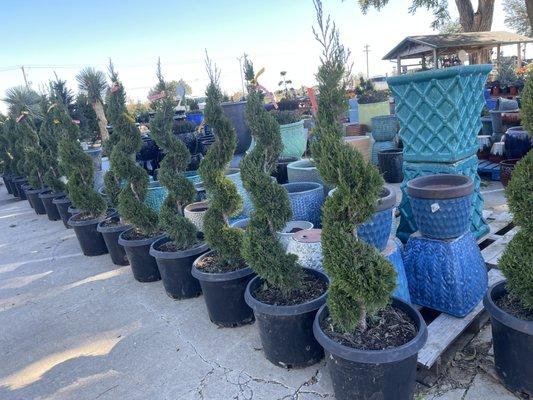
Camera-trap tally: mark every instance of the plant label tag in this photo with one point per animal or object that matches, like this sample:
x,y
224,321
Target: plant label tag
x,y
435,207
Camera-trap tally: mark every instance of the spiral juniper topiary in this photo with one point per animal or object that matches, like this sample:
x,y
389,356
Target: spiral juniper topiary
x,y
49,134
362,279
181,191
224,200
128,142
261,248
8,150
78,167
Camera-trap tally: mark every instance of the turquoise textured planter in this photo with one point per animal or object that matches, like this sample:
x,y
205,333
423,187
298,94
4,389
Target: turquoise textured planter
x,y
294,138
394,253
468,167
439,112
156,196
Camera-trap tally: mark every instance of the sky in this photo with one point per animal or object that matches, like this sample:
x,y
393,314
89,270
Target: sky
x,y
64,36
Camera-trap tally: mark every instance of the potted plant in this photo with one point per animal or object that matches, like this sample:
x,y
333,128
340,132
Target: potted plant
x,y
7,155
284,296
111,228
360,318
182,244
131,206
510,303
222,272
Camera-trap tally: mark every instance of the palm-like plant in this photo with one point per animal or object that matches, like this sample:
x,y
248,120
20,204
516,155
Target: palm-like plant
x,y
23,99
93,83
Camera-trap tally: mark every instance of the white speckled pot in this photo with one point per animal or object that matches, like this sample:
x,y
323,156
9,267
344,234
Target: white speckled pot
x,y
195,212
306,245
285,236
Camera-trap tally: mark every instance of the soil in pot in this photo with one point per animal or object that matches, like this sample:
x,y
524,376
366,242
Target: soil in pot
x,y
378,363
91,241
137,246
223,287
63,204
175,267
512,338
285,323
51,210
111,228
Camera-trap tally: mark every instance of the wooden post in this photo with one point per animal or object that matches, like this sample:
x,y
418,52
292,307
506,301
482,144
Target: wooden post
x,y
435,59
398,66
519,55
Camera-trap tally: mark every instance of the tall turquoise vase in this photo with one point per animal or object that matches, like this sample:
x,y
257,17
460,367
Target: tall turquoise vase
x,y
440,116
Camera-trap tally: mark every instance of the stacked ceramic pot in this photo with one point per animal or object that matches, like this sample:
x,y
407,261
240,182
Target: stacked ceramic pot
x,y
384,130
444,266
439,114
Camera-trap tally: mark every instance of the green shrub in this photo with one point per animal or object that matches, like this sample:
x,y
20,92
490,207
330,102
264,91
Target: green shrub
x,y
224,200
8,150
181,191
126,142
526,113
78,167
181,127
285,117
31,163
362,279
272,210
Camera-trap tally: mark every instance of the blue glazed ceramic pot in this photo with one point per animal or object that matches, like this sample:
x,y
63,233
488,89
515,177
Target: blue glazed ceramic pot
x,y
441,204
377,230
306,200
384,127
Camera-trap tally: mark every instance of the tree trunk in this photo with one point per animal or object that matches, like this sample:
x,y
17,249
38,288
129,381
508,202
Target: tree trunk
x,y
529,8
478,21
102,121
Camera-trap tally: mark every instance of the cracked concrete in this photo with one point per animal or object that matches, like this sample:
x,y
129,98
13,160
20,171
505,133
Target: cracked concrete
x,y
75,327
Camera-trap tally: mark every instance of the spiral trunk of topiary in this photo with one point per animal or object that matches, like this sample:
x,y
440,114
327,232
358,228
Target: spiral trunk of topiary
x,y
78,167
224,200
362,279
127,142
516,262
181,191
261,248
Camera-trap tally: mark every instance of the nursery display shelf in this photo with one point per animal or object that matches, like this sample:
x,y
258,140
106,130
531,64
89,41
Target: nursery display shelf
x,y
490,169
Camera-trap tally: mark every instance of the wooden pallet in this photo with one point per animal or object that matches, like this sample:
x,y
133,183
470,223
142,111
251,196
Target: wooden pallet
x,y
491,169
447,335
502,230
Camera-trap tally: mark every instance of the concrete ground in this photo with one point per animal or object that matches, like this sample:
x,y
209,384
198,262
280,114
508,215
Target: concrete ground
x,y
76,327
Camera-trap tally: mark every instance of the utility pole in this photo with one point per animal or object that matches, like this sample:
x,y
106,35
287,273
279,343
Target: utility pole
x,y
367,50
24,75
240,68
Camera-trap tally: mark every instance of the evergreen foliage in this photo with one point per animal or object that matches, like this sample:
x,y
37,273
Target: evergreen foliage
x,y
224,200
7,149
77,166
31,163
526,112
362,279
126,143
272,210
181,191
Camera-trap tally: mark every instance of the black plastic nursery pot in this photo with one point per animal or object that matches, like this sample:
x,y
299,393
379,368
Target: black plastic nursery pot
x,y
373,374
280,173
63,203
25,188
51,210
7,181
36,201
175,269
286,332
512,339
390,165
224,295
143,265
91,241
17,187
111,234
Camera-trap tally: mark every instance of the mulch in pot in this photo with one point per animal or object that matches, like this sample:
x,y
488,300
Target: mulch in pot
x,y
512,305
211,264
135,234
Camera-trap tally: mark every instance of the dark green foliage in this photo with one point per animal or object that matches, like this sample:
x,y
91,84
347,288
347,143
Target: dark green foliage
x,y
181,191
8,153
285,117
367,93
261,248
516,262
126,142
224,200
182,127
84,113
526,113
77,166
362,279
49,135
31,163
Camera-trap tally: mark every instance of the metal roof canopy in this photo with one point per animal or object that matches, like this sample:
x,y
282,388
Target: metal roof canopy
x,y
419,46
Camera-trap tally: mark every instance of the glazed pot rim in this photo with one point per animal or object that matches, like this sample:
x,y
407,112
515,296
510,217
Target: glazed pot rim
x,y
137,242
303,164
300,122
287,160
439,74
395,354
456,186
283,233
387,198
37,191
72,222
172,255
292,310
190,207
112,229
495,291
236,224
312,187
218,276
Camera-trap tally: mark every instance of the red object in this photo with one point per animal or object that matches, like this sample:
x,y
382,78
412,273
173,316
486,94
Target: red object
x,y
156,96
269,95
312,98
